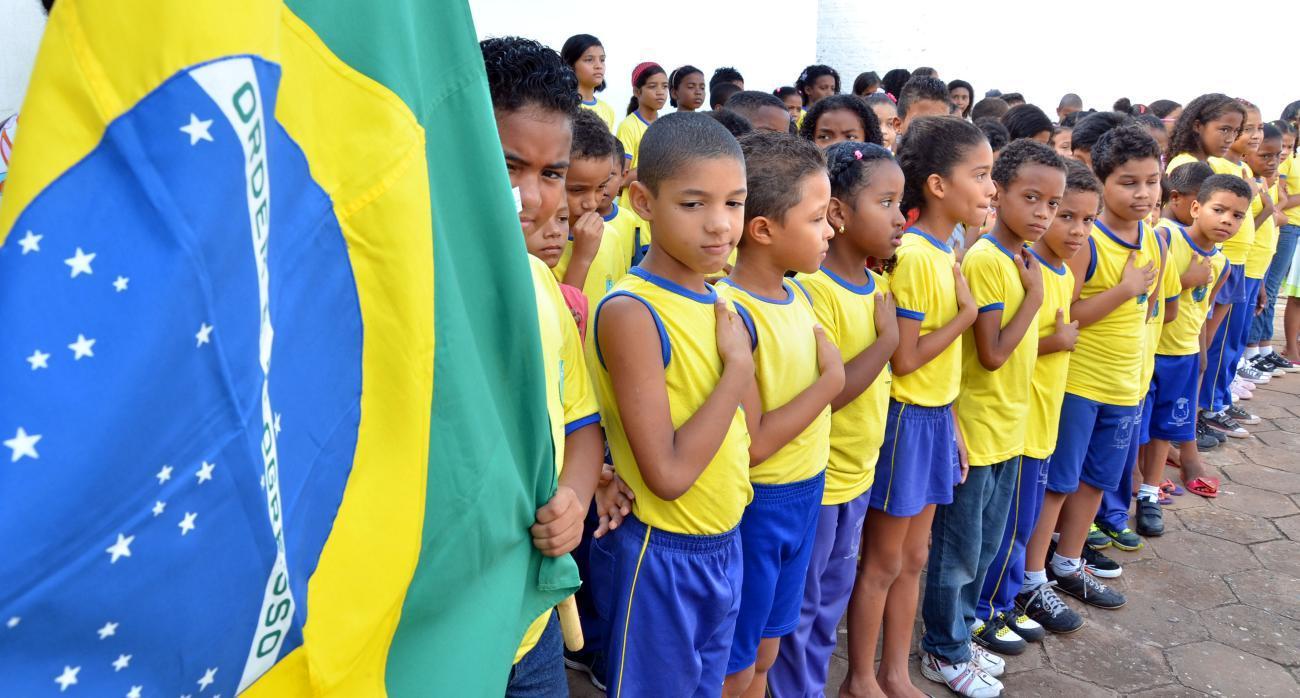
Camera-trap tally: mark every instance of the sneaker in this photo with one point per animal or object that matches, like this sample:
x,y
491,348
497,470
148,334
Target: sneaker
x,y
1125,540
965,679
1253,375
986,661
1204,439
1223,424
1044,607
1242,416
1262,364
1085,587
1241,388
1283,363
1027,628
589,662
1150,518
1096,539
996,636
1099,565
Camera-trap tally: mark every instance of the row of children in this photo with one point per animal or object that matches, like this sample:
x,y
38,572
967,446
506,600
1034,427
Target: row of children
x,y
807,399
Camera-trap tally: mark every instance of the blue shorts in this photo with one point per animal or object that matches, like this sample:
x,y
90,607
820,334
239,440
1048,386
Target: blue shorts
x,y
1092,444
670,601
1174,414
1234,287
776,536
1144,419
918,463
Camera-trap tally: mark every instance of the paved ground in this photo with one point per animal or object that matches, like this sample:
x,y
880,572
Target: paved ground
x,y
1214,604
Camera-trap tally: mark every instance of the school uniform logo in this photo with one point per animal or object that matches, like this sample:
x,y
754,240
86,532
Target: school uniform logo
x,y
1182,413
1198,293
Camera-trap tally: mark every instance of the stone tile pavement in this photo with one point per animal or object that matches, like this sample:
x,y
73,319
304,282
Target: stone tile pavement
x,y
1213,605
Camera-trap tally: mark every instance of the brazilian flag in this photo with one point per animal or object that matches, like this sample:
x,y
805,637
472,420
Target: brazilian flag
x,y
271,398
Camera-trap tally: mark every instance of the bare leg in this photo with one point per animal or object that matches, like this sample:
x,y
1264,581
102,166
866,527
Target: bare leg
x,y
883,539
767,651
1190,460
735,684
1076,518
1153,466
1041,539
1291,325
900,610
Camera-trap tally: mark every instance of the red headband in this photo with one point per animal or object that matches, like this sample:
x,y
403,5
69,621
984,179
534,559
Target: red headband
x,y
640,69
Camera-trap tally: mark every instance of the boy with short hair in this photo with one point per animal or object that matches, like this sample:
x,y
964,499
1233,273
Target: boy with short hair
x,y
597,257
671,365
919,97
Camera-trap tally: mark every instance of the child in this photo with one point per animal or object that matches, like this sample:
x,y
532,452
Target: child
x,y
1264,256
762,109
686,88
798,372
1289,178
1028,121
866,84
922,96
1113,280
598,257
1257,253
585,54
792,100
945,163
649,92
719,94
544,112
817,82
998,355
962,95
883,106
633,231
671,365
857,314
1001,602
727,75
840,118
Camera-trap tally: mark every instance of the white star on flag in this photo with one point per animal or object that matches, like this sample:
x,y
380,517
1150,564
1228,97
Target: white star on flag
x,y
204,334
277,423
39,359
197,129
122,662
187,524
158,507
205,472
122,548
109,630
80,263
23,444
209,677
82,347
164,475
68,677
31,242
13,622
134,692
120,283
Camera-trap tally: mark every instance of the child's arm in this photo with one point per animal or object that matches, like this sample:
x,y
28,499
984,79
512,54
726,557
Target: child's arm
x,y
670,460
778,427
861,371
1285,198
587,233
1134,281
1267,211
995,343
1198,273
1166,293
1062,338
559,522
915,351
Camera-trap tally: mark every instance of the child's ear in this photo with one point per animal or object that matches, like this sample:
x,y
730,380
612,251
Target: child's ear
x,y
934,183
642,200
836,214
1196,209
997,194
759,230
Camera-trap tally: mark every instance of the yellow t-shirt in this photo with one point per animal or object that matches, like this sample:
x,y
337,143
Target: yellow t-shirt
x,y
1181,337
570,398
1178,161
1289,173
630,132
611,262
1048,384
923,285
632,230
1261,251
692,367
602,109
1162,290
785,364
1237,247
1107,362
991,409
847,312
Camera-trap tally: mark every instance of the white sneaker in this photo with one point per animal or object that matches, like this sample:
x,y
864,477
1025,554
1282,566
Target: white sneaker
x,y
964,679
989,663
1241,390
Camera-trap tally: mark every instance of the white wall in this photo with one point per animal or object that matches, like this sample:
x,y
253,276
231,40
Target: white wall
x,y
21,25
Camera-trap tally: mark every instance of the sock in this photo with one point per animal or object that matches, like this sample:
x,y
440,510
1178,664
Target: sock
x,y
1252,352
1034,579
1265,351
1149,493
1065,566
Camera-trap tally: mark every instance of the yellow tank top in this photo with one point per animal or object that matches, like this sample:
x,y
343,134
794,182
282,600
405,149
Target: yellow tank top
x,y
692,367
1181,337
847,312
1107,362
612,260
1261,251
785,364
923,285
1047,387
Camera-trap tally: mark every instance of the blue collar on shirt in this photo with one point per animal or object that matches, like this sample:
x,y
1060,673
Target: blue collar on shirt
x,y
933,240
1213,250
789,295
1102,227
613,212
642,118
710,296
1059,271
860,289
1005,251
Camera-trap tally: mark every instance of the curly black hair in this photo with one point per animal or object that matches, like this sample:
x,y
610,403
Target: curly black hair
x,y
725,74
850,166
989,108
997,134
1079,178
810,75
1122,144
1198,112
1073,118
675,140
524,73
920,89
591,137
775,163
933,145
894,80
1026,121
1186,179
1223,182
1091,128
577,45
1023,152
735,123
675,79
853,103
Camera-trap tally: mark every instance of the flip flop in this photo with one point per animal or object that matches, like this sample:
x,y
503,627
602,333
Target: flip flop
x,y
1172,488
1170,462
1164,499
1207,487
